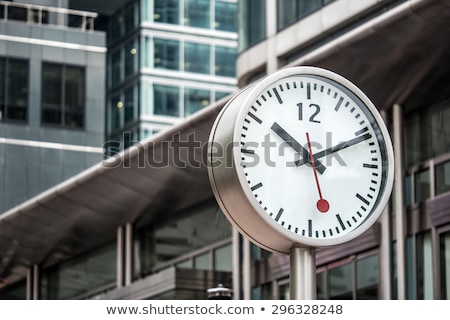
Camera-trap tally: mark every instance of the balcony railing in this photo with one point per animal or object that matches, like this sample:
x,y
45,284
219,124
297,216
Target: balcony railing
x,y
41,15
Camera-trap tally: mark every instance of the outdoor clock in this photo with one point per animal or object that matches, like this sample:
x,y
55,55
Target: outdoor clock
x,y
301,159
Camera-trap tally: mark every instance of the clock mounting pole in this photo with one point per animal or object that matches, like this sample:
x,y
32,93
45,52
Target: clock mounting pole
x,y
302,282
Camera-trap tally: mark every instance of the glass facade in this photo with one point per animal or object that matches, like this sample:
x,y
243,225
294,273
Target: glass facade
x,y
181,57
14,74
252,23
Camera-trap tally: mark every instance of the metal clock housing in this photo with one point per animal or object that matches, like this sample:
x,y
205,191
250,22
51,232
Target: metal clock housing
x,y
303,158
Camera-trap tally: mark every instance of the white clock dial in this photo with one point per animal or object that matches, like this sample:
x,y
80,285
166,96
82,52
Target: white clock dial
x,y
313,158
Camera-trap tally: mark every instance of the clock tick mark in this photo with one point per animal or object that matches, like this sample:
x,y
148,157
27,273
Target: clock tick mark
x,y
255,117
256,186
308,90
338,105
360,197
277,95
280,212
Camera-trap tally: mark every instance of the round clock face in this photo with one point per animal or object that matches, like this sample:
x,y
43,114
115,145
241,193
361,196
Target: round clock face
x,y
314,157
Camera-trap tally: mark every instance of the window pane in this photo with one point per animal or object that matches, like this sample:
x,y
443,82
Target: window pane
x,y
116,110
129,105
197,57
130,58
424,266
51,93
341,282
196,13
223,260
367,278
408,190
426,134
321,283
203,262
166,100
252,26
195,100
167,54
74,97
443,178
225,62
225,16
17,90
422,185
286,12
2,88
130,21
445,265
410,267
85,274
167,11
115,67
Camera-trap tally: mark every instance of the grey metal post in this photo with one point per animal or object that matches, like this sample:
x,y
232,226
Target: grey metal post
x,y
303,273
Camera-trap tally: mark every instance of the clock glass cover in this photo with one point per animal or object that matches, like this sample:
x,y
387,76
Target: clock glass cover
x,y
313,156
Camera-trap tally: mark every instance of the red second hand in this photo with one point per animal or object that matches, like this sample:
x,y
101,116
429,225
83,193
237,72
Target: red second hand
x,y
322,204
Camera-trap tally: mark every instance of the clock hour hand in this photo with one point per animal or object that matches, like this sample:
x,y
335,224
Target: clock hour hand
x,y
335,148
297,147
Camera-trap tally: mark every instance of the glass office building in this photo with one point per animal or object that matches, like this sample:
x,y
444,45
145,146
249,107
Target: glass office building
x,y
145,225
166,61
52,97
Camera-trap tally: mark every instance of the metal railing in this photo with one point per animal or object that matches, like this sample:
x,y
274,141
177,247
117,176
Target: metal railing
x,y
41,15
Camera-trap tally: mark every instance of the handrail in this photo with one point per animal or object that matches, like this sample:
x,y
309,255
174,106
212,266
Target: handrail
x,y
87,18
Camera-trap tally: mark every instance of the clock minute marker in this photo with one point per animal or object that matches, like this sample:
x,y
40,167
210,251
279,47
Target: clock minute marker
x,y
341,223
278,216
256,186
360,197
280,101
255,117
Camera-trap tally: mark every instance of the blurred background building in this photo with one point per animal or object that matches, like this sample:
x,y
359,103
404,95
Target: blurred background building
x,y
82,79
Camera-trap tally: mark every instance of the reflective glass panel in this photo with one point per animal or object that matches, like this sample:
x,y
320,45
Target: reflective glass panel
x,y
367,278
74,97
422,185
225,16
167,54
443,178
195,99
52,93
223,260
167,11
445,265
166,100
17,90
424,266
197,13
225,61
197,57
341,282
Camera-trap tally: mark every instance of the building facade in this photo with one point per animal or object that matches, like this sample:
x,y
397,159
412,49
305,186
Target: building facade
x,y
166,61
144,224
52,96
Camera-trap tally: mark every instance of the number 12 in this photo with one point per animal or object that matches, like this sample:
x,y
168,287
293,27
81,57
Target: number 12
x,y
312,118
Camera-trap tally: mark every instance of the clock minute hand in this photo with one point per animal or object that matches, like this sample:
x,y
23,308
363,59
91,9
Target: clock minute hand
x,y
336,148
297,147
